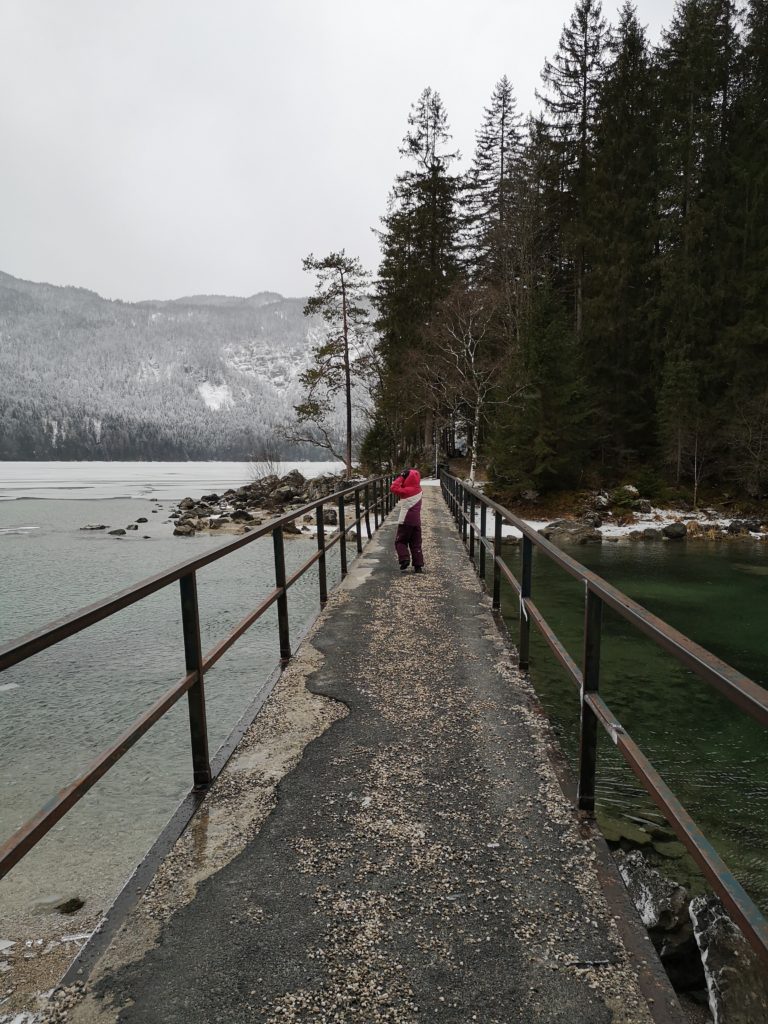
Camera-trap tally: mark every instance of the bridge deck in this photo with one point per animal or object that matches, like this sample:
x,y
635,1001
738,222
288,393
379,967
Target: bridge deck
x,y
420,861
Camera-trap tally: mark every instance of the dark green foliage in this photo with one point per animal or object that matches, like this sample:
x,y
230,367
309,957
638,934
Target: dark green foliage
x,y
419,259
621,230
624,235
491,191
539,437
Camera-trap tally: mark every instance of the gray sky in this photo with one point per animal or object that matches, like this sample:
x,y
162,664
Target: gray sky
x,y
157,148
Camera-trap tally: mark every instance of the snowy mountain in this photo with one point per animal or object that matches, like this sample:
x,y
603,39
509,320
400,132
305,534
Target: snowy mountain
x,y
203,377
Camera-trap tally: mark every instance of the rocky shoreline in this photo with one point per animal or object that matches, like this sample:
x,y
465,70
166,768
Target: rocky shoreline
x,y
623,515
239,510
702,950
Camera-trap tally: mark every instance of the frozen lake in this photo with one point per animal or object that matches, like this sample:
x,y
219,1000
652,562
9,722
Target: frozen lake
x,y
167,480
61,707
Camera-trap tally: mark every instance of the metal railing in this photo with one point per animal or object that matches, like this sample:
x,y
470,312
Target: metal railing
x,y
377,501
463,502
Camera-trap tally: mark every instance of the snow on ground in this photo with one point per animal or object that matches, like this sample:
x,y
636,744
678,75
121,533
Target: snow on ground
x,y
656,519
215,396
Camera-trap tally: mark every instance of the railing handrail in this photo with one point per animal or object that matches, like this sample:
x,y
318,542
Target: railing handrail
x,y
24,647
738,688
197,664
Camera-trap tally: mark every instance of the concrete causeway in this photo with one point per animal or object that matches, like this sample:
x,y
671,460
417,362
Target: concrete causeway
x,y
389,844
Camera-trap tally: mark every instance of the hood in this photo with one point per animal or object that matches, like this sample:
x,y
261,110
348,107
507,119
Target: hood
x,y
413,479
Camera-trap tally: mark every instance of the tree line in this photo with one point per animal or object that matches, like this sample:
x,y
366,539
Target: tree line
x,y
588,300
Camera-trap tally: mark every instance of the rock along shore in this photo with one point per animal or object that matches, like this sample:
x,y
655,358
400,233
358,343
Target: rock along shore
x,y
239,510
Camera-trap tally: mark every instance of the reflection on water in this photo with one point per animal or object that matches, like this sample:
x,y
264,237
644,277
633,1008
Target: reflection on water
x,y
714,757
63,706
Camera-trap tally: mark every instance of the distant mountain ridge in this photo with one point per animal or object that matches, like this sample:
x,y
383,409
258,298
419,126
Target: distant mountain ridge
x,y
200,377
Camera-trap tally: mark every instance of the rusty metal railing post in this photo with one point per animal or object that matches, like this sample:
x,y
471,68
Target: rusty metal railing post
x,y
593,616
496,557
193,658
322,574
472,528
367,500
525,591
342,536
481,559
358,524
282,601
375,506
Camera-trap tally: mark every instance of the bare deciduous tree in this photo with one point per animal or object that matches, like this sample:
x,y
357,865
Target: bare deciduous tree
x,y
466,362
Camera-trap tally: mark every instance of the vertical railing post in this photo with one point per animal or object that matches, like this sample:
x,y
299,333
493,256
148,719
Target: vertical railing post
x,y
593,615
358,524
367,500
282,601
471,527
465,510
481,559
375,506
193,658
342,536
496,557
525,591
321,566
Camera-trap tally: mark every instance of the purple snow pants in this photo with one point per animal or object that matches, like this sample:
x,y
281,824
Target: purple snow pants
x,y
408,544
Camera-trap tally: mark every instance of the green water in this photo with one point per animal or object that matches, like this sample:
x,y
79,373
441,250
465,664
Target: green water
x,y
714,757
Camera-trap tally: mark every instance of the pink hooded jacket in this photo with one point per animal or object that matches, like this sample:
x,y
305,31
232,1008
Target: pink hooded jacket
x,y
409,491
409,487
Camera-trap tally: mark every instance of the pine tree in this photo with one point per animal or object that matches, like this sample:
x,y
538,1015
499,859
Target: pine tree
x,y
698,66
571,85
744,352
491,188
539,438
340,300
621,241
419,263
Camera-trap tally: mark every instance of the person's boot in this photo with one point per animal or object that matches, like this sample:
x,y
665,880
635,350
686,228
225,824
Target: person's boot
x,y
418,568
404,566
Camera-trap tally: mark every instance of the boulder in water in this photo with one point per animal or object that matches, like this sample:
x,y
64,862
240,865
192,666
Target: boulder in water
x,y
736,981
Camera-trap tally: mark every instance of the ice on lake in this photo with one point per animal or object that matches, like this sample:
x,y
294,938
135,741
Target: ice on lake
x,y
162,480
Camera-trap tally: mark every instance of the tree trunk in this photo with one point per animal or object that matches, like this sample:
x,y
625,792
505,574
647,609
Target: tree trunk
x,y
429,426
475,444
347,380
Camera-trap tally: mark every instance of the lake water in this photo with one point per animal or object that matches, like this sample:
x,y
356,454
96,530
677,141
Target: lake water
x,y
60,708
713,756
63,706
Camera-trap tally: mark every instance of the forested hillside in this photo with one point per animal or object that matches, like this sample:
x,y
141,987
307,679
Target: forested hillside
x,y
205,377
589,301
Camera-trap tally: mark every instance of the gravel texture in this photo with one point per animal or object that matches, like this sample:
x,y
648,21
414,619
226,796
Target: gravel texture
x,y
420,860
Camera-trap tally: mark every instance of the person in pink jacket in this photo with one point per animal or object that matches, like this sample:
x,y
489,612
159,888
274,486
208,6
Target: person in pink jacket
x,y
407,487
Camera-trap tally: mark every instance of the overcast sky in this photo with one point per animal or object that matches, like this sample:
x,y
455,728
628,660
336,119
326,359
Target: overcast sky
x,y
159,148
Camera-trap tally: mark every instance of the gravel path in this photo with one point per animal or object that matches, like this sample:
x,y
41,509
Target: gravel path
x,y
420,861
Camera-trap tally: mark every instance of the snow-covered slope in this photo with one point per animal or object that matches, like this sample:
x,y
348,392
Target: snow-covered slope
x,y
200,377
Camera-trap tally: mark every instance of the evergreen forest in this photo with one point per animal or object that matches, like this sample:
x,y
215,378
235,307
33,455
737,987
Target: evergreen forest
x,y
587,303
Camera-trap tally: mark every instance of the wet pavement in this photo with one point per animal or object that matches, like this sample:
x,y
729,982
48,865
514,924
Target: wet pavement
x,y
390,844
